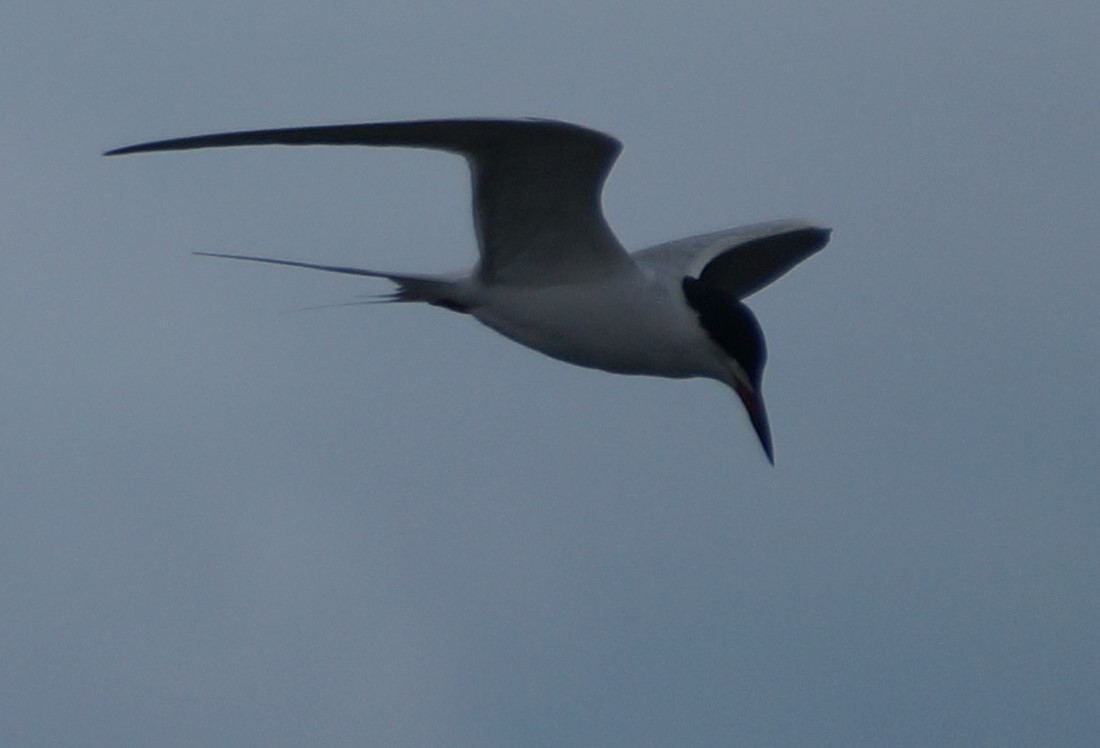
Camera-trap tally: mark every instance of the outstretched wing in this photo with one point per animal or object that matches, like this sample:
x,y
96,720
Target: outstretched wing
x,y
536,187
742,260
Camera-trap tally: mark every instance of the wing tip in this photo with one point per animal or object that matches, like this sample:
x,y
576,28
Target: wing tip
x,y
444,134
157,145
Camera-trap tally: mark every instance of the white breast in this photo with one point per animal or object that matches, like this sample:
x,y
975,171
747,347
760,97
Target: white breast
x,y
633,324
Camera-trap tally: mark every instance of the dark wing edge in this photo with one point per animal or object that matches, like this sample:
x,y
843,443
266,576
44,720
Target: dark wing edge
x,y
747,267
465,136
536,185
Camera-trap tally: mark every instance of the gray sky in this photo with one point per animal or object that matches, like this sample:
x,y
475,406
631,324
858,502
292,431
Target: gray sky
x,y
226,523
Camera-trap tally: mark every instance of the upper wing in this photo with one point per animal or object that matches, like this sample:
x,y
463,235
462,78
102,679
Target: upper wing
x,y
742,260
536,187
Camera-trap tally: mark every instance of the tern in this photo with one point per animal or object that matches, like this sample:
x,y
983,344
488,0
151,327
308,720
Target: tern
x,y
552,276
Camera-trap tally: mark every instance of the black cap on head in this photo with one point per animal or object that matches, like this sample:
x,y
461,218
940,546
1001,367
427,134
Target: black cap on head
x,y
734,328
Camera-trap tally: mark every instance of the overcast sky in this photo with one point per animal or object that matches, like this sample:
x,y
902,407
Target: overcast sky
x,y
226,522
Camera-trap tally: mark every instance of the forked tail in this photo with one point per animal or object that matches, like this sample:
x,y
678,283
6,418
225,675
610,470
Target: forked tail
x,y
423,288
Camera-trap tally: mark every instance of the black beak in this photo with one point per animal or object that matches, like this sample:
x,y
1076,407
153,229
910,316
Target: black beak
x,y
754,404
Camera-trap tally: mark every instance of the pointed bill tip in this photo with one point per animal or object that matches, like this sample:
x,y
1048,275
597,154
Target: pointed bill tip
x,y
758,415
766,442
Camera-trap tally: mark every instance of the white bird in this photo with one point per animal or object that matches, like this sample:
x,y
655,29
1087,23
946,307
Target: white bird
x,y
551,274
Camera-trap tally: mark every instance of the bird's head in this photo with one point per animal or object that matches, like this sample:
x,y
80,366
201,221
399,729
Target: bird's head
x,y
735,331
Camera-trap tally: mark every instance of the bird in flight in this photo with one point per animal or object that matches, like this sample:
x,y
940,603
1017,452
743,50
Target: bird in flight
x,y
552,276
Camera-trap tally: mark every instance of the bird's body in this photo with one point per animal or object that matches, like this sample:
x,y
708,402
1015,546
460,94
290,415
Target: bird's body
x,y
551,274
610,325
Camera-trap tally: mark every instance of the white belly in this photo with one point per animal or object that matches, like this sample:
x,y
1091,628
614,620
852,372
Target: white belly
x,y
632,326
